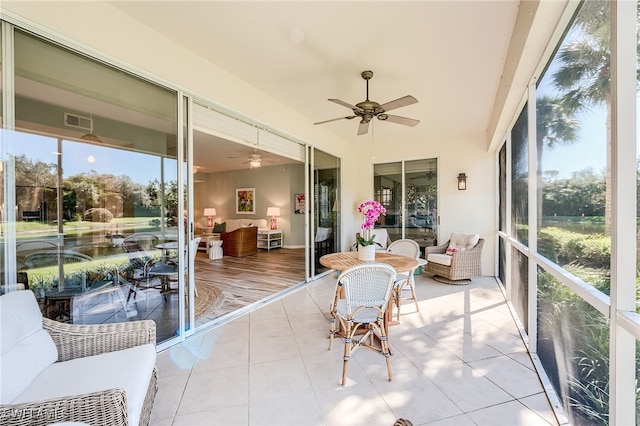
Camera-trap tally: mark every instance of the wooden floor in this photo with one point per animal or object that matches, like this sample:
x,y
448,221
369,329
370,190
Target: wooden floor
x,y
245,280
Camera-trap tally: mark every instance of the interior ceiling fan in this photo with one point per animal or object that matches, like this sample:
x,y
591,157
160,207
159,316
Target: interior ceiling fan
x,y
255,160
367,109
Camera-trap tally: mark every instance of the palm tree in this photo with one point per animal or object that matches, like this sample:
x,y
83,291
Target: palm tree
x,y
584,76
554,125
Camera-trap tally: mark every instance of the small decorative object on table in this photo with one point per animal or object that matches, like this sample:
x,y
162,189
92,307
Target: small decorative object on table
x,y
371,211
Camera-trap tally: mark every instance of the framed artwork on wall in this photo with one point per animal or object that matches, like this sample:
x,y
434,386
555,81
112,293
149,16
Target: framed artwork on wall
x,y
299,204
245,201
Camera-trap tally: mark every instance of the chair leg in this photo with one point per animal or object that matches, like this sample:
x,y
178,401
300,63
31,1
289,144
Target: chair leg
x,y
332,330
347,352
385,349
413,292
398,296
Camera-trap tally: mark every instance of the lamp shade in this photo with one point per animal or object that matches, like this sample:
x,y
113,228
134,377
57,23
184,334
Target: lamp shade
x,y
273,211
209,211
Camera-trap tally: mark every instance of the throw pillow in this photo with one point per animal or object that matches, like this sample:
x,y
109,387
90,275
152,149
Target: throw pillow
x,y
219,228
453,249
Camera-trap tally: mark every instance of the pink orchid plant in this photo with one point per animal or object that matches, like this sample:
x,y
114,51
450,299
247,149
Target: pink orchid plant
x,y
371,211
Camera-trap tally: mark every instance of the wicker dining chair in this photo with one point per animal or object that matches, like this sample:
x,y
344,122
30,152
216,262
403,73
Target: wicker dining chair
x,y
405,282
358,310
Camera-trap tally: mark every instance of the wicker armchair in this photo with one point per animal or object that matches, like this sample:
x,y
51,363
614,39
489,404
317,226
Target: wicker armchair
x,y
464,264
240,242
107,407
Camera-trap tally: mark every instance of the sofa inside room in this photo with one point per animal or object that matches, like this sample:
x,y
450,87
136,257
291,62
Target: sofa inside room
x,y
239,236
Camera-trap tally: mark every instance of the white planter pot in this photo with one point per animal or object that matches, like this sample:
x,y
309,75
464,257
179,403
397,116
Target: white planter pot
x,y
367,253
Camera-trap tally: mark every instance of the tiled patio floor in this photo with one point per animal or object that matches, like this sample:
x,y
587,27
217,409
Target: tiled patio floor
x,y
459,361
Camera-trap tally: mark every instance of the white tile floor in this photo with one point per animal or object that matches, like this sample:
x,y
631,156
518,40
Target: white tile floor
x,y
459,361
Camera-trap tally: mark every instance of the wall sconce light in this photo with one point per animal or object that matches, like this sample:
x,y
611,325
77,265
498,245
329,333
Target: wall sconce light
x,y
274,212
209,212
462,182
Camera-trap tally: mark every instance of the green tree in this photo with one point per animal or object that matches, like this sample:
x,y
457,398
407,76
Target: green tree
x,y
554,125
584,77
582,194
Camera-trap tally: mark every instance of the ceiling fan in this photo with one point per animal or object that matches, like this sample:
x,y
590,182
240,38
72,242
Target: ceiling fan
x,y
367,109
254,160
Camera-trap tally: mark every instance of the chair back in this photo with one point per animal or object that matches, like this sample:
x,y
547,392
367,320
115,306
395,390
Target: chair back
x,y
368,285
323,234
405,247
143,240
191,254
45,258
381,236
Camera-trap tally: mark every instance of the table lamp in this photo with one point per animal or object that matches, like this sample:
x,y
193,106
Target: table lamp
x,y
209,212
274,212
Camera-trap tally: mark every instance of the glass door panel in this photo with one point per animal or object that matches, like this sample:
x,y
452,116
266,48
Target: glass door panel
x,y
409,192
95,175
326,202
421,179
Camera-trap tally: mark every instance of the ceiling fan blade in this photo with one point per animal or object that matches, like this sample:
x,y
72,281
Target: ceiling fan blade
x,y
400,102
335,119
363,128
402,120
344,104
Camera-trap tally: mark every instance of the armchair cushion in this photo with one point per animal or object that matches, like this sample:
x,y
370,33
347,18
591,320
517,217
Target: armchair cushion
x,y
25,346
463,241
442,259
96,374
128,369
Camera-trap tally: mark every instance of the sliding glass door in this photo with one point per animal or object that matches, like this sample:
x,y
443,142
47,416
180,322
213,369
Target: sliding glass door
x,y
409,192
92,173
325,187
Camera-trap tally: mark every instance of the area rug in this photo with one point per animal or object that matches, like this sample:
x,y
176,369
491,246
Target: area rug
x,y
210,297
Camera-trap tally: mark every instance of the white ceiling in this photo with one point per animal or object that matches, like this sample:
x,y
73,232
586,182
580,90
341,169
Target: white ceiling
x,y
450,55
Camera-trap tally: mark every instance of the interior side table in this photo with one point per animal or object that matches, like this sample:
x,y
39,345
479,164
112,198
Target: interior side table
x,y
215,249
269,239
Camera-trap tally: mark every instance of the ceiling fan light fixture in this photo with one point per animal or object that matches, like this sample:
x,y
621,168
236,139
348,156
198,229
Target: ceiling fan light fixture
x,y
255,163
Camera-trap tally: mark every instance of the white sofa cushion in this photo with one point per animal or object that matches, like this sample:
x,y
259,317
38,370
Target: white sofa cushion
x,y
128,369
233,224
25,348
442,259
463,241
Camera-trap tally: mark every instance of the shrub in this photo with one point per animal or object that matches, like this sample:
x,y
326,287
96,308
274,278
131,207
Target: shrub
x,y
98,214
593,251
564,247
